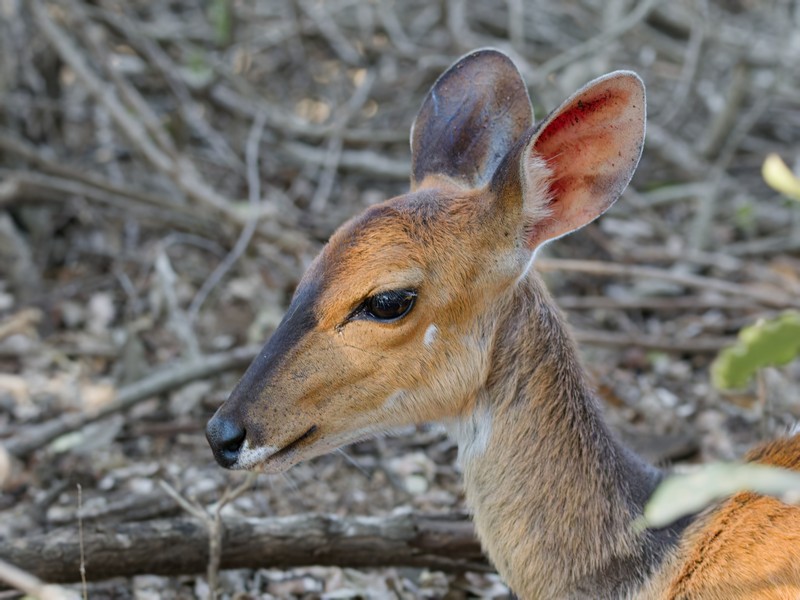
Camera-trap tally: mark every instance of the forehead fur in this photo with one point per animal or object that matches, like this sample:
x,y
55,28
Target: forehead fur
x,y
391,245
409,225
417,215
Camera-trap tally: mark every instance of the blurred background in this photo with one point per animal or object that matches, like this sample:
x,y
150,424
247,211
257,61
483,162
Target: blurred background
x,y
168,168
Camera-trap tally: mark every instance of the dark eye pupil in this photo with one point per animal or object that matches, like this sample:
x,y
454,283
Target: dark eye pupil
x,y
388,306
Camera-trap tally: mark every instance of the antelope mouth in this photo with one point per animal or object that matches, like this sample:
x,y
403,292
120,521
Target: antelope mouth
x,y
293,446
270,459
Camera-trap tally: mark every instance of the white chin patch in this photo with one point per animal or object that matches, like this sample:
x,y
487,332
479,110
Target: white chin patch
x,y
252,457
430,335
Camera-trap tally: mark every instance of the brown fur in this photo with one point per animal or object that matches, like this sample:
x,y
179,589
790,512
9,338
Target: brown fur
x,y
485,351
560,523
747,547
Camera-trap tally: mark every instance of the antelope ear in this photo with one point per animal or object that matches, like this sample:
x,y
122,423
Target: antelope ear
x,y
579,159
470,119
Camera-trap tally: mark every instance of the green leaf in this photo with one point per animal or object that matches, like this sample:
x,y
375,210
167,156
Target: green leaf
x,y
745,218
220,14
197,73
771,342
685,494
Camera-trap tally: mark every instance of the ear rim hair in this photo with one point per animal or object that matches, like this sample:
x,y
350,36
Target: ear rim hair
x,y
576,163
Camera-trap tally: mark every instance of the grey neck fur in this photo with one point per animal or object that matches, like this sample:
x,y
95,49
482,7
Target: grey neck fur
x,y
554,493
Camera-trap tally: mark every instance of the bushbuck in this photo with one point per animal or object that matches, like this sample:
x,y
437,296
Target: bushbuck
x,y
425,308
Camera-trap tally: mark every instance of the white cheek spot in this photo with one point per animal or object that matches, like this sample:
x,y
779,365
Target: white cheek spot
x,y
472,433
252,457
430,335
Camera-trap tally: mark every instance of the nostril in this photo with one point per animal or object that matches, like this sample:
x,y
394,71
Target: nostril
x,y
226,438
233,440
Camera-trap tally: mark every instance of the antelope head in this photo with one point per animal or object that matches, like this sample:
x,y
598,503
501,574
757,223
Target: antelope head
x,y
393,322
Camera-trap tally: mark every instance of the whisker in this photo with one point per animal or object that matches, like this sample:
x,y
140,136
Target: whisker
x,y
290,482
353,462
366,351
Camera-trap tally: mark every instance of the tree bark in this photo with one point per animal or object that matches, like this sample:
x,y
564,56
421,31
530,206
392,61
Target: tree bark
x,y
180,546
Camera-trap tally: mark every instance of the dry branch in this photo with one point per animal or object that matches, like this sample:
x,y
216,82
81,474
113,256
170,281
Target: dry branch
x,y
289,124
763,294
359,161
178,168
652,303
595,44
33,437
254,197
36,188
180,546
698,345
31,585
214,524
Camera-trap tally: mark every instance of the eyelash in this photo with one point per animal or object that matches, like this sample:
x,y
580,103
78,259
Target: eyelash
x,y
403,299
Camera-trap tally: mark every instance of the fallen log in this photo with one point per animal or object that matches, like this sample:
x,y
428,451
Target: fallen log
x,y
180,546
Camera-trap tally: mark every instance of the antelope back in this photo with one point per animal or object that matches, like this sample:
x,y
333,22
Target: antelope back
x,y
392,324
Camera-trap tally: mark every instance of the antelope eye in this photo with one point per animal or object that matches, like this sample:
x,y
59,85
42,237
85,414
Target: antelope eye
x,y
389,306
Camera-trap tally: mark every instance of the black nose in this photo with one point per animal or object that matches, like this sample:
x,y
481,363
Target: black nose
x,y
225,438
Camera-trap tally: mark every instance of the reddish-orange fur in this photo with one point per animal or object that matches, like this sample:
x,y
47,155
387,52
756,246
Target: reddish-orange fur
x,y
485,351
747,547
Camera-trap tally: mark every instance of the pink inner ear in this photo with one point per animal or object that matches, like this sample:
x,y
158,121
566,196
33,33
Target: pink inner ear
x,y
591,146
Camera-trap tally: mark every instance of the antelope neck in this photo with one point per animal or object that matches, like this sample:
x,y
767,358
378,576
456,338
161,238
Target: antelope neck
x,y
554,494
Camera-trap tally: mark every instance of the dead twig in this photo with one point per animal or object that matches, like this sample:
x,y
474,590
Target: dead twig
x,y
595,44
681,155
335,143
32,586
689,69
681,303
768,297
80,541
290,125
127,92
20,322
191,110
131,127
359,161
328,28
177,320
38,187
516,24
394,28
36,155
31,438
764,246
17,257
178,168
254,193
128,507
214,524
698,236
696,345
